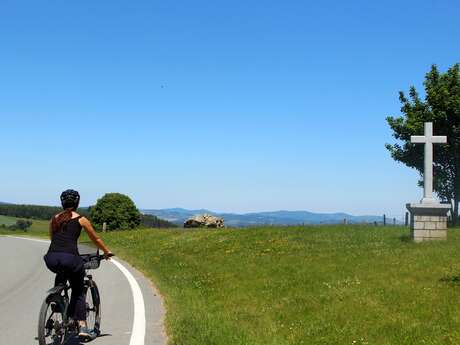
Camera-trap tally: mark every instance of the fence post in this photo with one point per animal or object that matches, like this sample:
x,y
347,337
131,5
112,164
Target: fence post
x,y
384,220
394,221
407,219
104,227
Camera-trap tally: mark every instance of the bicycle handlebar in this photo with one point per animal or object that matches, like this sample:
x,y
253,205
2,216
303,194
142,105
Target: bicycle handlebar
x,y
92,261
96,256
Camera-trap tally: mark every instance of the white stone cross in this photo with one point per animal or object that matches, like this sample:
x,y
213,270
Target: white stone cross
x,y
428,139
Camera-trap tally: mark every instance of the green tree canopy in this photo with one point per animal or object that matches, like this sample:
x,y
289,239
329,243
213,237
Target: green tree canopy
x,y
117,210
21,224
442,107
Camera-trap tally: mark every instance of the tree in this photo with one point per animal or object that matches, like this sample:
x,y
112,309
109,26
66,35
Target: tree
x,y
117,210
442,107
21,224
151,221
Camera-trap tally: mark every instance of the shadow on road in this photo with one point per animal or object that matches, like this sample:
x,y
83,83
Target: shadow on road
x,y
104,335
76,341
73,341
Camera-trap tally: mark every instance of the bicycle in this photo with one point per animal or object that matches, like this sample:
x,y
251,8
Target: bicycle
x,y
54,325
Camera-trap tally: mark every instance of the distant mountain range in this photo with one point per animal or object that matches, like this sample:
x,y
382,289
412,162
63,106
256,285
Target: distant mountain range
x,y
179,215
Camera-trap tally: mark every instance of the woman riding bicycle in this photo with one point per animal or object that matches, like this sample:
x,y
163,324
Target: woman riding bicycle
x,y
63,258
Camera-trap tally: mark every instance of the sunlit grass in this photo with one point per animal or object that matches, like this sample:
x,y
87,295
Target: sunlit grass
x,y
38,227
5,220
301,285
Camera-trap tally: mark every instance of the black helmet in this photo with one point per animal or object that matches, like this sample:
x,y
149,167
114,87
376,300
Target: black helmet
x,y
70,198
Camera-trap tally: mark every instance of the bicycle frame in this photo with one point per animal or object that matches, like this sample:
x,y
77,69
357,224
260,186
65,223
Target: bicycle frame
x,y
60,295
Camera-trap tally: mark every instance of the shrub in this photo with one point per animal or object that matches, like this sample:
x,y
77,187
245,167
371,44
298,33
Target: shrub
x,y
150,221
118,211
21,224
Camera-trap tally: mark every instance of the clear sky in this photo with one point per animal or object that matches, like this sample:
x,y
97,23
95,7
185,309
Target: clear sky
x,y
227,105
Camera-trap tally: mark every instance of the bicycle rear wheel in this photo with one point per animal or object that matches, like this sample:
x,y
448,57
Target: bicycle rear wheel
x,y
51,323
93,308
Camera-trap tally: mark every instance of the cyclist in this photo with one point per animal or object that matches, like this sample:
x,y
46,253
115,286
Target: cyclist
x,y
63,257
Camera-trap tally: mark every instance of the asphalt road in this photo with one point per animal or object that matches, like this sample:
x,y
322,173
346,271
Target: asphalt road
x,y
24,280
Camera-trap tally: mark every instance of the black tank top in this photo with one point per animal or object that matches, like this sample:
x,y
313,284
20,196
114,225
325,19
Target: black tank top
x,y
65,240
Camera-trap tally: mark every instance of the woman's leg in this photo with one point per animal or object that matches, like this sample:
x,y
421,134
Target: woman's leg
x,y
60,279
77,305
70,267
53,262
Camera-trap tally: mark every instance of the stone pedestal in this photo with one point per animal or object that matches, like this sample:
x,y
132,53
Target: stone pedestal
x,y
428,221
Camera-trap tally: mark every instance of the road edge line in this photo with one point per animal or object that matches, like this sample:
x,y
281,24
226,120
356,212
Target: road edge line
x,y
138,329
28,238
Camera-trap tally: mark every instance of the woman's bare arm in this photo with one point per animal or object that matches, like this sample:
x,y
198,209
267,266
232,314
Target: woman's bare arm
x,y
86,224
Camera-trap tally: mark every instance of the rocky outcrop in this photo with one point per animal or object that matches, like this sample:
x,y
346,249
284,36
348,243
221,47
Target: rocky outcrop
x,y
204,220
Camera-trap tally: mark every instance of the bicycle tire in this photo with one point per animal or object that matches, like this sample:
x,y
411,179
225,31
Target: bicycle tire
x,y
93,308
43,319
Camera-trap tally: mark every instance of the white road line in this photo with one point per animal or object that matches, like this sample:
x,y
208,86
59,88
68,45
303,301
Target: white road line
x,y
138,329
30,239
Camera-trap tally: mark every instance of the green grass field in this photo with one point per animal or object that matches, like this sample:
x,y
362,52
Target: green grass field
x,y
7,220
37,227
300,285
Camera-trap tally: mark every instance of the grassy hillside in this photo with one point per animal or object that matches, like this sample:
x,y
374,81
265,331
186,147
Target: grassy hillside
x,y
302,285
7,220
37,227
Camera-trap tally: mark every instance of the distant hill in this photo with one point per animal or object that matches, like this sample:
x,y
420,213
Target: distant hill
x,y
179,215
46,212
34,211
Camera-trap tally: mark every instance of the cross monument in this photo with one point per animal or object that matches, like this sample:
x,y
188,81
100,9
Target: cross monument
x,y
428,139
429,217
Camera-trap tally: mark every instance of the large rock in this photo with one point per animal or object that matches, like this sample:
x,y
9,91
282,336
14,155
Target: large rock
x,y
204,220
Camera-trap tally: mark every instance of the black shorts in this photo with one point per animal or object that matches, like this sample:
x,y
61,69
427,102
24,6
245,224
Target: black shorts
x,y
59,262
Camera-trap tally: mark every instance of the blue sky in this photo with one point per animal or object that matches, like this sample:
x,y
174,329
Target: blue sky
x,y
232,106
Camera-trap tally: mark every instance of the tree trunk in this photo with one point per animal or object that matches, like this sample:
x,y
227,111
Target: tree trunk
x,y
455,211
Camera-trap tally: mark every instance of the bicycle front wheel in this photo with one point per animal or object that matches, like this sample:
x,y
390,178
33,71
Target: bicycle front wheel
x,y
51,323
93,308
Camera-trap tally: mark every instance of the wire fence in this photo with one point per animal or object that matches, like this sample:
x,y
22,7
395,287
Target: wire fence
x,y
387,219
397,219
